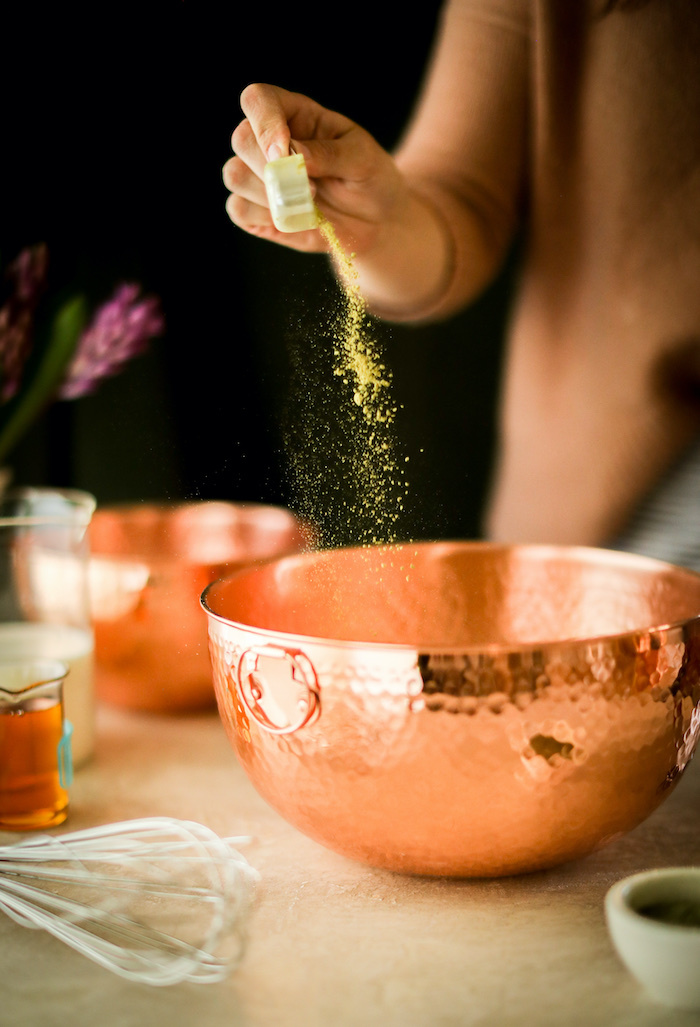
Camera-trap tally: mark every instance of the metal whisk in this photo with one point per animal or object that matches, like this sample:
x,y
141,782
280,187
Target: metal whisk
x,y
155,900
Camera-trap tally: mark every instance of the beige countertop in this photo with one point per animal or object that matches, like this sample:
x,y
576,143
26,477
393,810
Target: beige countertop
x,y
333,943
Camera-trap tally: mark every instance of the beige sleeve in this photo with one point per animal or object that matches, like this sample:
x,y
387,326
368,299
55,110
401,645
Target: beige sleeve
x,y
464,150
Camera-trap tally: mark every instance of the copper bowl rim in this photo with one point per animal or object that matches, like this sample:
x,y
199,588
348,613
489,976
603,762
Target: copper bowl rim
x,y
243,511
175,507
582,553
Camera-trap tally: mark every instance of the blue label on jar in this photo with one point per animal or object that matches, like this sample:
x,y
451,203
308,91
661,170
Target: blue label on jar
x,y
65,756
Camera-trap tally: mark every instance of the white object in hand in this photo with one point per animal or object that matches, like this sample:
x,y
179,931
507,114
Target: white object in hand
x,y
289,194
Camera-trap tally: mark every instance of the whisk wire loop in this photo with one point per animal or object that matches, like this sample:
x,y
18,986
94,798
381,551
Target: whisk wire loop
x,y
142,871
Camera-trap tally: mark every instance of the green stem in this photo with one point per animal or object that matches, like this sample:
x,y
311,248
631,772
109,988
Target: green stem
x,y
43,374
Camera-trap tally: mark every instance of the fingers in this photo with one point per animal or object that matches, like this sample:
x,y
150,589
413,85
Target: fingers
x,y
267,110
242,175
245,146
347,167
247,207
252,217
247,203
240,178
276,117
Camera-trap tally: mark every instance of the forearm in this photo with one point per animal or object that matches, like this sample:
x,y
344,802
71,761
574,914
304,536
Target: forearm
x,y
464,158
430,226
435,255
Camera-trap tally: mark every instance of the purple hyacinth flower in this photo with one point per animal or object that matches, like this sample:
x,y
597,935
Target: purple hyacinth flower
x,y
120,329
27,274
29,271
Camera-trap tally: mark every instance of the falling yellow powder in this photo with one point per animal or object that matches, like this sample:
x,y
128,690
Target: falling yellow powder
x,y
357,360
366,466
379,483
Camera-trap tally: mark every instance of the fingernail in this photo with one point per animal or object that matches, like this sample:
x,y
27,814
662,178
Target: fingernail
x,y
275,152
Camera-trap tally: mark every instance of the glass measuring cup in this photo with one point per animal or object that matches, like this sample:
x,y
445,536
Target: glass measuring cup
x,y
44,593
35,751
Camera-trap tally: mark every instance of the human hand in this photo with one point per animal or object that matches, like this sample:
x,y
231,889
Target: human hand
x,y
355,182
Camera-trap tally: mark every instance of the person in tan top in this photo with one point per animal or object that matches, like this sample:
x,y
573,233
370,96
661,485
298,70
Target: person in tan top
x,y
574,124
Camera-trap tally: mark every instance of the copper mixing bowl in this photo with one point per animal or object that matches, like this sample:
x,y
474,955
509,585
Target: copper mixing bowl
x,y
150,562
460,709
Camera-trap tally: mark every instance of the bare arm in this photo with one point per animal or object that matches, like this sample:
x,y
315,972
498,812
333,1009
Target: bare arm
x,y
427,227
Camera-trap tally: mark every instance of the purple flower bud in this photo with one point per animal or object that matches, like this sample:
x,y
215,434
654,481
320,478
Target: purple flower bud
x,y
120,329
27,274
15,343
29,270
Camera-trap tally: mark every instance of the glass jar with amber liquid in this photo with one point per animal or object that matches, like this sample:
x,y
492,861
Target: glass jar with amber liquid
x,y
35,757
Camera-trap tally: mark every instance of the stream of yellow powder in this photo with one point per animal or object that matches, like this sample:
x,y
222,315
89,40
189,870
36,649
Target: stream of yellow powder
x,y
371,470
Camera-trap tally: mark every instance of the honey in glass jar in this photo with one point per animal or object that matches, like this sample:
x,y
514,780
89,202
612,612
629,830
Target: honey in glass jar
x,y
35,759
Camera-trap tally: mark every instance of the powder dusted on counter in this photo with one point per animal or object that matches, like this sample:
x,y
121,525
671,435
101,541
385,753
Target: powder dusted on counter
x,y
347,473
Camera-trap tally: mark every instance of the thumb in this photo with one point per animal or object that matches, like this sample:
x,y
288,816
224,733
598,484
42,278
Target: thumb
x,y
324,158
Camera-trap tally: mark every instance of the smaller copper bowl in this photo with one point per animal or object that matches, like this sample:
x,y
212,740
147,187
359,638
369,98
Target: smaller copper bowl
x,y
459,708
149,565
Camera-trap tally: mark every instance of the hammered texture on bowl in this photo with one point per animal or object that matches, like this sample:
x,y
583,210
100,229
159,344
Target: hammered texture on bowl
x,y
470,751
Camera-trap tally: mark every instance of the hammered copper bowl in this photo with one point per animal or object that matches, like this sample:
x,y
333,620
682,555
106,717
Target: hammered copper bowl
x,y
149,565
460,709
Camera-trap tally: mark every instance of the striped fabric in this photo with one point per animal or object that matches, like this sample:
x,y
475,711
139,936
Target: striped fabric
x,y
667,523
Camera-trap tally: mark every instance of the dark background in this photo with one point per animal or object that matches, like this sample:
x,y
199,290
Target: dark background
x,y
116,122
